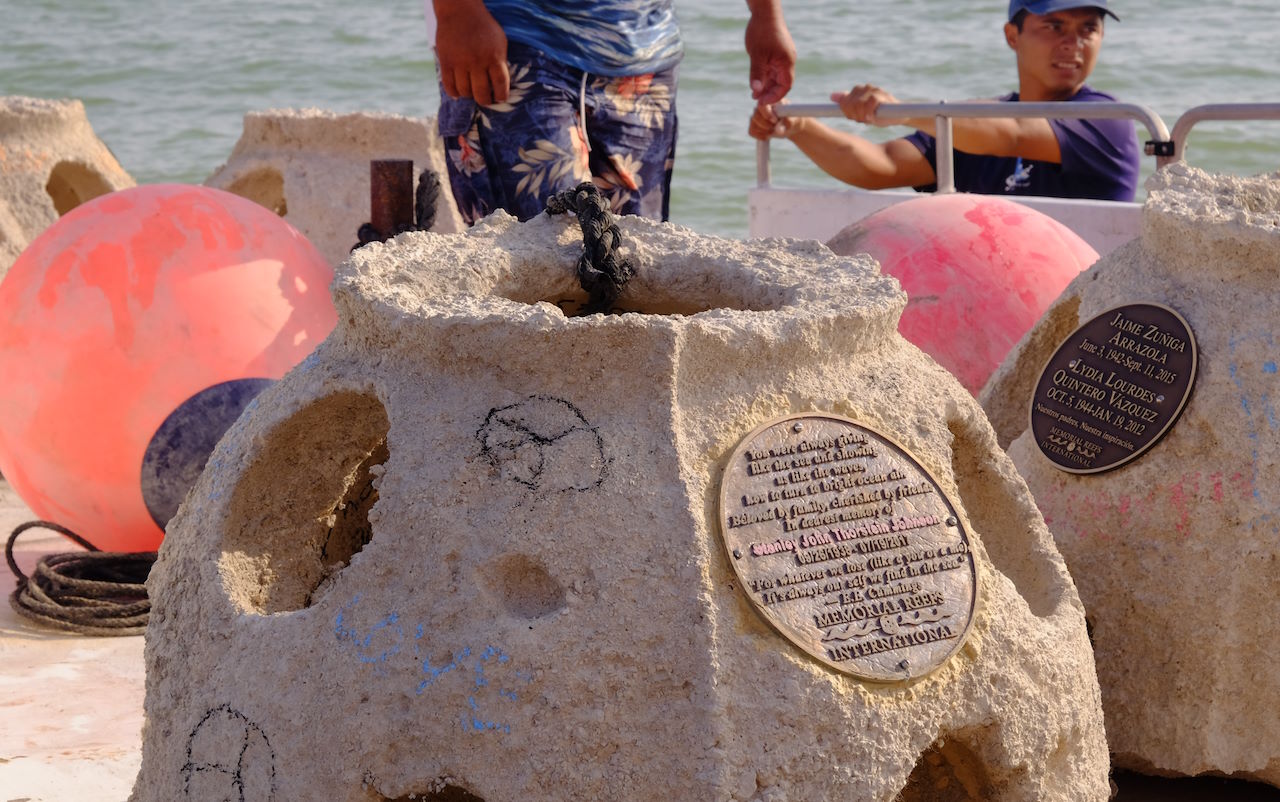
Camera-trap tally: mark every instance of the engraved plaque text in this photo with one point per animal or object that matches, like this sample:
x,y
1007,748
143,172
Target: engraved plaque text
x,y
1114,388
847,546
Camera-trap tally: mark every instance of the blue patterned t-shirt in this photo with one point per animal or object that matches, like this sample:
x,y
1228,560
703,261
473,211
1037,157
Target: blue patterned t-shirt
x,y
602,37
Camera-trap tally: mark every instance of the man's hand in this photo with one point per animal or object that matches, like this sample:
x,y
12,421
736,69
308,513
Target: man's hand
x,y
766,123
471,50
771,51
861,102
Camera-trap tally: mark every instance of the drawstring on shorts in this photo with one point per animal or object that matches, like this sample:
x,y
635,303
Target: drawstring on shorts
x,y
582,112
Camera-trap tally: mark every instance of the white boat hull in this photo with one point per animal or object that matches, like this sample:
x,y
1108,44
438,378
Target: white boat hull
x,y
822,213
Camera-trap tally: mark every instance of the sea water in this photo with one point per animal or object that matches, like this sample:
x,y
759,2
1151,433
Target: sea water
x,y
166,82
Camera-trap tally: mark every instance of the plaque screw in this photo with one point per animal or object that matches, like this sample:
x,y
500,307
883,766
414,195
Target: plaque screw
x,y
737,554
1073,363
951,520
1159,399
799,427
904,665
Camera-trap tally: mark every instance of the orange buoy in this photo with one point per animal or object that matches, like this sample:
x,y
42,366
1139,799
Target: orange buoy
x,y
133,332
978,270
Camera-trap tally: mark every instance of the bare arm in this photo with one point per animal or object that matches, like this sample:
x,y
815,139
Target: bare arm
x,y
771,51
1003,136
846,156
471,50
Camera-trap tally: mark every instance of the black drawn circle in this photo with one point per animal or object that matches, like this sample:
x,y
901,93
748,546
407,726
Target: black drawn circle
x,y
544,443
228,759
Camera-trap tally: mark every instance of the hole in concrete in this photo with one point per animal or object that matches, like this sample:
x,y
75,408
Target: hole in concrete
x,y
703,282
949,771
443,791
1002,523
573,305
446,793
71,184
351,531
524,587
264,186
300,512
1133,785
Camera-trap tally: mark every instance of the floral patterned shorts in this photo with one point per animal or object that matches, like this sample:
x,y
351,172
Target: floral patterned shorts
x,y
514,155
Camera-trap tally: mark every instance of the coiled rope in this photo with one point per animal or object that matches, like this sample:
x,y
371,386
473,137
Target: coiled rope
x,y
601,271
90,593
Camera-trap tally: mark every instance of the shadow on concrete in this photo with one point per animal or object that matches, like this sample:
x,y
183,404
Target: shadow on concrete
x,y
1140,788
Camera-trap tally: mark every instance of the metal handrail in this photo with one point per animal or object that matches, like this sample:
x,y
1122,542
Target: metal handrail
x,y
1217,111
1159,145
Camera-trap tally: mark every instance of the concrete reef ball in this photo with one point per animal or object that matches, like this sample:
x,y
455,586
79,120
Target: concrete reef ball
x,y
978,272
470,549
133,332
1175,553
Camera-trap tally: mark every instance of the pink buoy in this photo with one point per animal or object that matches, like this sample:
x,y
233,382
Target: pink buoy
x,y
978,270
133,332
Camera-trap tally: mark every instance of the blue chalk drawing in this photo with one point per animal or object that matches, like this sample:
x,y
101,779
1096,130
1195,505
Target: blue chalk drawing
x,y
1260,414
488,676
486,691
434,674
379,644
479,724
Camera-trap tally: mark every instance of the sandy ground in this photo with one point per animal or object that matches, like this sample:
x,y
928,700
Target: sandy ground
x,y
71,707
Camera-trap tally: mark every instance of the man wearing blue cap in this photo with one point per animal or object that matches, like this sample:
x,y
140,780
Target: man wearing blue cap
x,y
1056,44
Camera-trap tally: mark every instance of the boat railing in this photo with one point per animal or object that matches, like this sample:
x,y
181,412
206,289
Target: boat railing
x,y
820,213
1166,147
1218,111
1160,143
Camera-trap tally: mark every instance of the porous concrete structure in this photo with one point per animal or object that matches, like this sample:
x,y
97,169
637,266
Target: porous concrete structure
x,y
469,549
1175,554
311,167
51,161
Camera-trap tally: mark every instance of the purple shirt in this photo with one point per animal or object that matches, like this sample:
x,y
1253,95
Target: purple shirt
x,y
1100,160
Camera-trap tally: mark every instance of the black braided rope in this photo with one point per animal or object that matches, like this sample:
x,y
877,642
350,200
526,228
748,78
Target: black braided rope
x,y
424,212
425,199
90,593
601,271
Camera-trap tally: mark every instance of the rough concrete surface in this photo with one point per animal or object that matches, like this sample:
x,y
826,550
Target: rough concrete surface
x,y
312,167
1175,554
50,162
469,550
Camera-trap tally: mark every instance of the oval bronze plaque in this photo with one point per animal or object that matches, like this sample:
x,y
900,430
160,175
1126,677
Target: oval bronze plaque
x,y
1114,388
846,545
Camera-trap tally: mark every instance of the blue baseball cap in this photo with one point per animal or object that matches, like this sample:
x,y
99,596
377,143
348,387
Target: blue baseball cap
x,y
1042,7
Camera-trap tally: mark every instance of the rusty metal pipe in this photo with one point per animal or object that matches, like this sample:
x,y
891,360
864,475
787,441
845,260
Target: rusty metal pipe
x,y
391,195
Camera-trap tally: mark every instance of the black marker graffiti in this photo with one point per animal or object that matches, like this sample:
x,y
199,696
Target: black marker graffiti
x,y
544,443
229,759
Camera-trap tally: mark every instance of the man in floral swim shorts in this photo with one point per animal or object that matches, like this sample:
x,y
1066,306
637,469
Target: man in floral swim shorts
x,y
537,97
